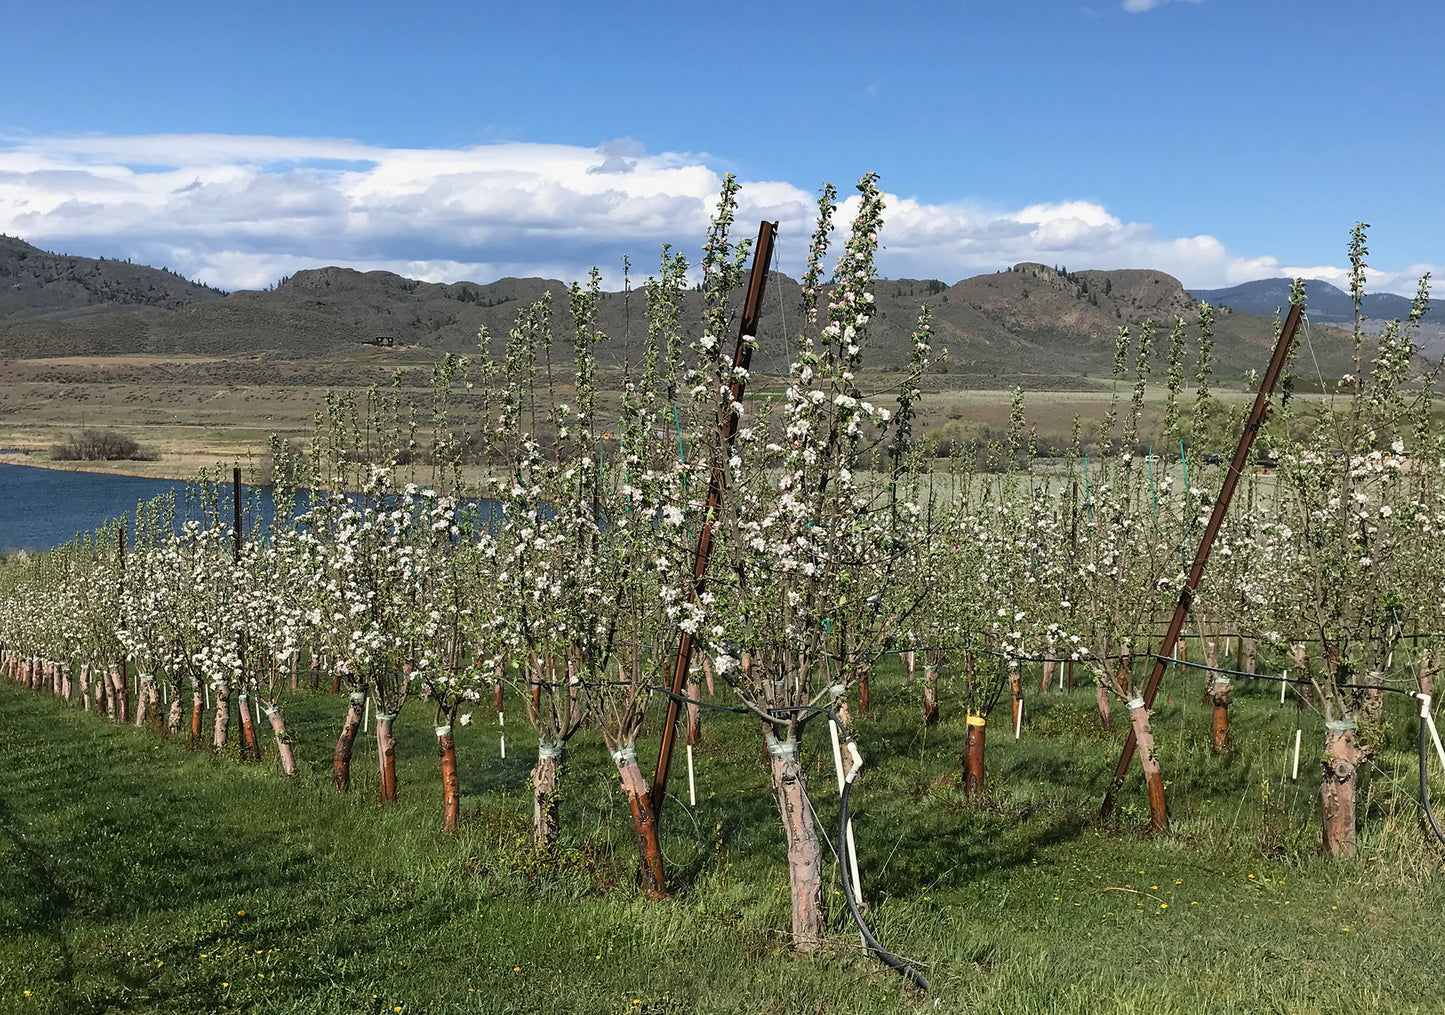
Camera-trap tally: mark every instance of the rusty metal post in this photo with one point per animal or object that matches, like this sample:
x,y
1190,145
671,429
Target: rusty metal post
x,y
742,356
1158,818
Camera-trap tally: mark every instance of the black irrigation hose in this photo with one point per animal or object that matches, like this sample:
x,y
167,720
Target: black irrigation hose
x,y
908,969
1424,764
845,815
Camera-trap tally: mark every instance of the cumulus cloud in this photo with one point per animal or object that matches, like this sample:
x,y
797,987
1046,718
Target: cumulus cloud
x,y
240,211
1140,6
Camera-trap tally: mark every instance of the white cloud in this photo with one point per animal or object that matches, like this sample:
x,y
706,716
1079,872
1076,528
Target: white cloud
x,y
240,211
1140,6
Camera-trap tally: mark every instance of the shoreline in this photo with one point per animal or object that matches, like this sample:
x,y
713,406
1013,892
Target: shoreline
x,y
176,471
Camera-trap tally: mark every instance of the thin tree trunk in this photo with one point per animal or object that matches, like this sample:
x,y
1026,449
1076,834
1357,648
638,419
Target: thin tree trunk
x,y
930,695
694,709
1153,779
546,775
863,694
973,757
1219,698
1337,788
221,731
176,713
650,875
341,762
146,700
1015,693
111,679
805,858
122,694
1046,672
451,785
85,686
386,755
198,704
283,739
1101,698
250,746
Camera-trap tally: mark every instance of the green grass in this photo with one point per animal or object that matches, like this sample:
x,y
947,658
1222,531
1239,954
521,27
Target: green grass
x,y
137,875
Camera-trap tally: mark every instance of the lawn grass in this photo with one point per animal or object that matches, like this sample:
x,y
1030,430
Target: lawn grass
x,y
138,875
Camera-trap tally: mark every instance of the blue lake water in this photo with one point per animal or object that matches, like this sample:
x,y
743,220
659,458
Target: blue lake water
x,y
41,509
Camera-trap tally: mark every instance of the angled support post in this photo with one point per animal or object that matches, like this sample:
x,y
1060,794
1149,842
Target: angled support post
x,y
1158,817
742,356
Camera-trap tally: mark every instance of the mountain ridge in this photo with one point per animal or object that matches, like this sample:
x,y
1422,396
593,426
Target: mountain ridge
x,y
1031,324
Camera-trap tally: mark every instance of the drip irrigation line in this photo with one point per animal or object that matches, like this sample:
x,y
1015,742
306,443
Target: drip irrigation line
x,y
903,966
1428,735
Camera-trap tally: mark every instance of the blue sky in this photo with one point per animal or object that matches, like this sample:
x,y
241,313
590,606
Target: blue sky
x,y
1219,140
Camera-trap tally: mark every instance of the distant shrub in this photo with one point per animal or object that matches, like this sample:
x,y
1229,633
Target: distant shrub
x,y
101,446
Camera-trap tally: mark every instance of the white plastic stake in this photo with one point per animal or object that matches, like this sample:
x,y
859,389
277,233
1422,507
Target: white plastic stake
x,y
502,736
853,868
258,712
1435,735
837,752
208,697
852,849
1019,722
691,780
366,717
1294,776
1283,686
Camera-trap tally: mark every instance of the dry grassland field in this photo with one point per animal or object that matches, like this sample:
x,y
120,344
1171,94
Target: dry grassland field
x,y
201,411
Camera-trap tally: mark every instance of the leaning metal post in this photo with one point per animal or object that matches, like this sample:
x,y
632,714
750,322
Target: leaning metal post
x,y
1158,817
728,426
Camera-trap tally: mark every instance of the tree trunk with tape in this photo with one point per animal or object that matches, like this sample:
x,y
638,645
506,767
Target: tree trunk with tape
x,y
973,757
805,857
1337,788
283,739
1219,698
650,876
85,687
546,777
1149,760
386,756
451,784
341,757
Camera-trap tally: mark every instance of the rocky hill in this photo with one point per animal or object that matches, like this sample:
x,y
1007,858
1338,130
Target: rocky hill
x,y
34,282
1031,325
